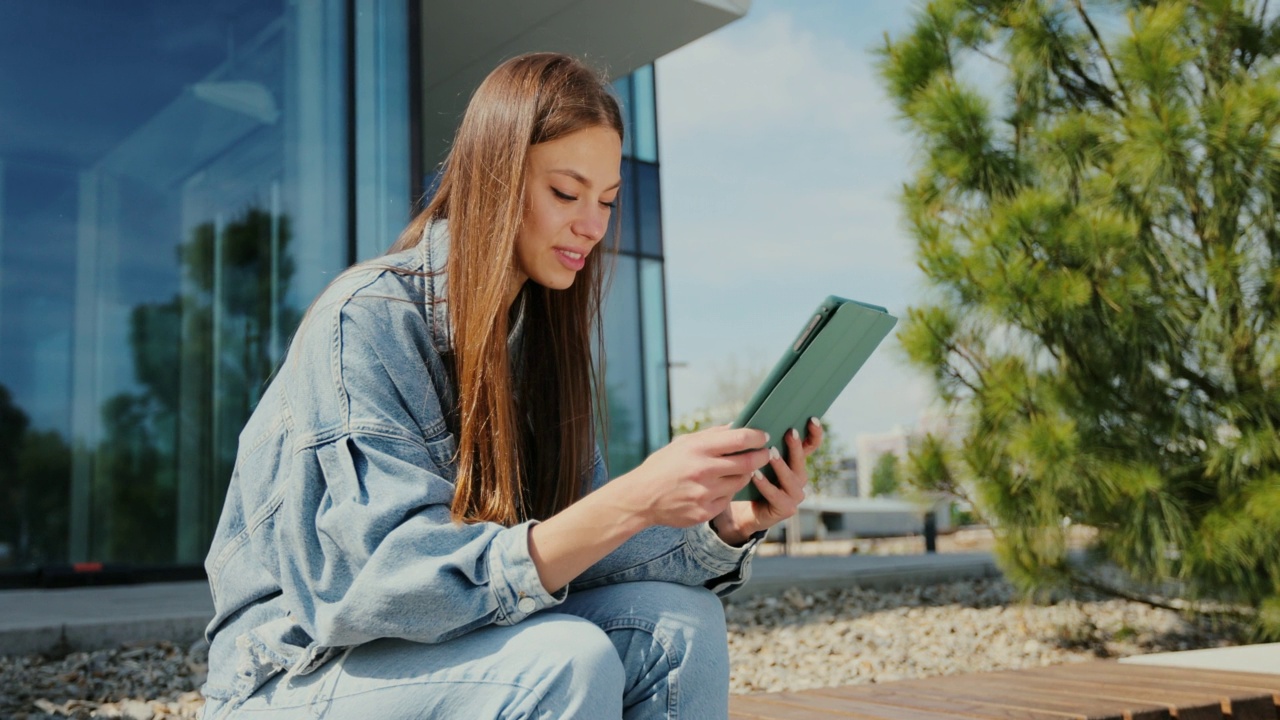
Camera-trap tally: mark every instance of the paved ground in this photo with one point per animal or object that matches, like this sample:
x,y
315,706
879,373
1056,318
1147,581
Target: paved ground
x,y
100,617
880,572
1248,658
34,621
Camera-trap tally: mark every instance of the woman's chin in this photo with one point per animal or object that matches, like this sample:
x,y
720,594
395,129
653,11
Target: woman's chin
x,y
557,281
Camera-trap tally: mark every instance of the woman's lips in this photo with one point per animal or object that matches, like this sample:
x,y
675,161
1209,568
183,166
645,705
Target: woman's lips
x,y
570,259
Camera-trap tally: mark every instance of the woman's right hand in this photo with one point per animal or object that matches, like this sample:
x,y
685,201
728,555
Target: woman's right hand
x,y
693,479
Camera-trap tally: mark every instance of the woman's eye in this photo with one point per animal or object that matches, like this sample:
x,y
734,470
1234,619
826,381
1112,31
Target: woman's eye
x,y
563,195
612,204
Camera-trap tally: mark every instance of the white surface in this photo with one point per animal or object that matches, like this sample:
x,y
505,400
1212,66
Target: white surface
x,y
1246,658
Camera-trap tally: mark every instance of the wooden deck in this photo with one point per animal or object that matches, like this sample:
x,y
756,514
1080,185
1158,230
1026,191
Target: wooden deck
x,y
1086,691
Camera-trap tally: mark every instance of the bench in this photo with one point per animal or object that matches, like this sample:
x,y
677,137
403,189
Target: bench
x,y
1102,690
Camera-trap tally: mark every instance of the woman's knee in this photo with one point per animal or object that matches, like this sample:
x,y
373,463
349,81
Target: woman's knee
x,y
695,620
694,613
561,642
684,625
672,642
701,607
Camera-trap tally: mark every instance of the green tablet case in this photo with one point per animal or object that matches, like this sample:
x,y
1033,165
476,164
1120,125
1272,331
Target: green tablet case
x,y
833,345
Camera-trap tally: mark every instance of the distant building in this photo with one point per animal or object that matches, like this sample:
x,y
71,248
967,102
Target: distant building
x,y
848,478
870,446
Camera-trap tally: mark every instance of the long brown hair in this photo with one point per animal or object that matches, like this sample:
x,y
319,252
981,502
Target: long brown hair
x,y
523,447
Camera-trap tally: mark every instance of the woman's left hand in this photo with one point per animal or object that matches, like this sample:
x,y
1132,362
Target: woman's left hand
x,y
743,518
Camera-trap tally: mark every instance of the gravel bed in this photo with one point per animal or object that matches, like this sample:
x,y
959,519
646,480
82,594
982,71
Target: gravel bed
x,y
138,681
790,641
799,640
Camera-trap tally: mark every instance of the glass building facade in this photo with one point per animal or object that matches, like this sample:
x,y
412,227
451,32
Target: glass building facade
x,y
177,181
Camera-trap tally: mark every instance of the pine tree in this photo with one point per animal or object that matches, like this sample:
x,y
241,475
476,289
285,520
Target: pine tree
x,y
1096,211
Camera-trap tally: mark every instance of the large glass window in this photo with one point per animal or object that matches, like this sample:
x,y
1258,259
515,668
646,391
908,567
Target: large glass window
x,y
624,376
382,132
177,182
627,216
175,187
653,328
635,310
647,209
644,117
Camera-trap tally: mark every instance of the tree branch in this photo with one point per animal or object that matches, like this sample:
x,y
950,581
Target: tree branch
x,y
1102,47
1174,604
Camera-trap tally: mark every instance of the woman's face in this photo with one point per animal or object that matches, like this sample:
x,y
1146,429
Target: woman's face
x,y
570,189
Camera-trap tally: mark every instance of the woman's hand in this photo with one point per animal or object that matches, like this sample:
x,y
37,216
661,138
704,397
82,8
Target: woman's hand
x,y
778,502
686,483
694,478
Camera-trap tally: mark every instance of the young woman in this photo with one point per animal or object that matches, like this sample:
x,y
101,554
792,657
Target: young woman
x,y
419,523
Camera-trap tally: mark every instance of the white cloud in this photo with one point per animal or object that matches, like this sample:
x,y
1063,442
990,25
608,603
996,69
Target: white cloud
x,y
768,75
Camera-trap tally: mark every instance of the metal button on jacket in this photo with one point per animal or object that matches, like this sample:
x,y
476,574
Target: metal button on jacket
x,y
527,605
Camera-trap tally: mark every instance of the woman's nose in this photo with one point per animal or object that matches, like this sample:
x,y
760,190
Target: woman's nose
x,y
593,224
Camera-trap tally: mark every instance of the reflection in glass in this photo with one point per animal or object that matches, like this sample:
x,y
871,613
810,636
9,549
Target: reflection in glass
x,y
622,88
635,312
647,209
654,330
381,124
623,372
624,218
644,119
159,161
174,189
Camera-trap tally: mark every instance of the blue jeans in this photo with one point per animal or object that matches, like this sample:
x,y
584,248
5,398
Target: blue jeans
x,y
631,650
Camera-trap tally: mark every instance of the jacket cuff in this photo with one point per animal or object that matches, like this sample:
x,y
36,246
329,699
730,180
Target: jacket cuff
x,y
732,565
513,578
714,554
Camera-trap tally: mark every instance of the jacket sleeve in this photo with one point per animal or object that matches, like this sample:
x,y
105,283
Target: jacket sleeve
x,y
363,542
689,556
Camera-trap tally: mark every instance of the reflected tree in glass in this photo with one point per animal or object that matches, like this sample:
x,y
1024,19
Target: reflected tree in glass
x,y
625,445
33,522
202,360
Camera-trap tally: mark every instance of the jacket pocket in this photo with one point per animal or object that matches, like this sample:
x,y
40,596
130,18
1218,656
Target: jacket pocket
x,y
442,451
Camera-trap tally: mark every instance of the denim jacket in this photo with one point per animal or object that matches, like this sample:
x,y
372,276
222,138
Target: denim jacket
x,y
336,528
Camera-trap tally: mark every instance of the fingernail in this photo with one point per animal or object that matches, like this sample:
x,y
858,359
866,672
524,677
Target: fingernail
x,y
757,475
815,421
773,453
766,437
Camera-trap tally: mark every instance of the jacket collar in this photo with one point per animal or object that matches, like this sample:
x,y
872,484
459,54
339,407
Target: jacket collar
x,y
434,255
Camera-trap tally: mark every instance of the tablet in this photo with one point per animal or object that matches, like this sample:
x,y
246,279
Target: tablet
x,y
835,341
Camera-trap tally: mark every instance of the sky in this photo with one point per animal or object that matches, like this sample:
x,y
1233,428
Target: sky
x,y
782,163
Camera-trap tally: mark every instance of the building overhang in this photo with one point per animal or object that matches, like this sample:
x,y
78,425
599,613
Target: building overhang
x,y
463,41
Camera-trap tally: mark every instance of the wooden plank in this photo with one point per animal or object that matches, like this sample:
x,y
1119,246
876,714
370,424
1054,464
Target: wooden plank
x,y
1238,703
1259,709
835,707
1228,678
1185,706
762,709
887,694
1251,696
1022,703
775,706
767,707
974,688
1101,690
